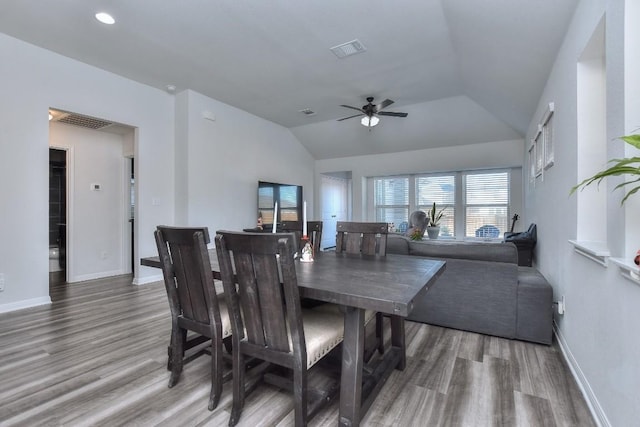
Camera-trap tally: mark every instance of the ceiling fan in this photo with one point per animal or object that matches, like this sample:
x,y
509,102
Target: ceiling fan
x,y
372,111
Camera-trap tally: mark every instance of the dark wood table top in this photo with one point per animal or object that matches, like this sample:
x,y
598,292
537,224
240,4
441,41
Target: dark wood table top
x,y
392,282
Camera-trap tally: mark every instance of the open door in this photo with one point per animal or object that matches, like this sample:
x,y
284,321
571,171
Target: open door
x,y
334,197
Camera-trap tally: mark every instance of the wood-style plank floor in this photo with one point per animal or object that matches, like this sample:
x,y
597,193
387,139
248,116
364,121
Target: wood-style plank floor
x,y
97,356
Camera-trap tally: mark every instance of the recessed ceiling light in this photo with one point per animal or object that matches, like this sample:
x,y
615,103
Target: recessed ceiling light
x,y
105,18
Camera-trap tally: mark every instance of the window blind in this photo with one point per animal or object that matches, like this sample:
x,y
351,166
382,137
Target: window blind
x,y
440,189
391,199
486,204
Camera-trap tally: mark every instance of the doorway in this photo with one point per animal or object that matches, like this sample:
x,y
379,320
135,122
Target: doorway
x,y
96,236
131,202
334,202
57,215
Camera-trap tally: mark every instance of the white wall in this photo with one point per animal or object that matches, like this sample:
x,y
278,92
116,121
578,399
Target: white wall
x,y
36,80
500,154
97,231
221,162
598,331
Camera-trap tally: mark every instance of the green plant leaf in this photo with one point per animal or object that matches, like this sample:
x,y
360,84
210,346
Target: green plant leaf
x,y
634,191
626,183
632,139
625,166
625,161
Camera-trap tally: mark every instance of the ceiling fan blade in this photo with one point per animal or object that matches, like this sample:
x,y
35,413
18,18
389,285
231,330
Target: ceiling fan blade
x,y
353,108
350,117
389,113
384,104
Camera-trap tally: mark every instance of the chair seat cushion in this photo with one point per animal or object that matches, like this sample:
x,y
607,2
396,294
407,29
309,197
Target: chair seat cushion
x,y
323,331
327,322
224,317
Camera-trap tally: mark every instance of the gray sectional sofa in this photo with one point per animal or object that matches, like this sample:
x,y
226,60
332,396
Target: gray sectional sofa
x,y
482,290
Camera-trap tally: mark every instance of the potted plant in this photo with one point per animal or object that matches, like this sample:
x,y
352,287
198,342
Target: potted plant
x,y
626,166
434,217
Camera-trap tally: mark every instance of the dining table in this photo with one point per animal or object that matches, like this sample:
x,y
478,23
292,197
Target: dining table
x,y
387,284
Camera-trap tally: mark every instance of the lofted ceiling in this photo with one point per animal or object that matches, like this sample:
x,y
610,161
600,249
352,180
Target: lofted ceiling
x,y
466,71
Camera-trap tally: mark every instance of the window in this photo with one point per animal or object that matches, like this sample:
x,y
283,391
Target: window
x,y
441,190
391,200
476,203
547,135
486,201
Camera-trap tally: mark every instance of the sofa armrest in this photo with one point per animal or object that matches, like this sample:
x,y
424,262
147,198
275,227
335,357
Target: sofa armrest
x,y
472,295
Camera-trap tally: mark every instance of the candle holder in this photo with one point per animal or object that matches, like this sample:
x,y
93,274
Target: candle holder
x,y
307,250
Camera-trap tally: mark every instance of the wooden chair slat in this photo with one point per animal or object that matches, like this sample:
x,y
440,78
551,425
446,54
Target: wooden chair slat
x,y
271,302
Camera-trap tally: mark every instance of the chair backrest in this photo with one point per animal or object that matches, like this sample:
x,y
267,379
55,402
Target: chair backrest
x,y
188,278
367,238
314,232
262,292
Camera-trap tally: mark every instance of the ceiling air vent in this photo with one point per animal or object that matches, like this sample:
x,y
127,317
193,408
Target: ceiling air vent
x,y
84,121
348,49
77,119
307,112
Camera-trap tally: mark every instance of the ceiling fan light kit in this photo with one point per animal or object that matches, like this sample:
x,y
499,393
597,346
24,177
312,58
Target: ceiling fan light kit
x,y
370,121
371,112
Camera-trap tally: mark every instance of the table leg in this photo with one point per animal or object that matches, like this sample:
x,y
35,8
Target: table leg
x,y
398,340
352,363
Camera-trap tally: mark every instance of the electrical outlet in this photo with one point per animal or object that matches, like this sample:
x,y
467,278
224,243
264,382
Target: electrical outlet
x,y
561,305
1,282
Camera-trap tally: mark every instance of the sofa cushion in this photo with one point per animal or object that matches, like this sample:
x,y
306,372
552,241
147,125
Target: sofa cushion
x,y
479,251
397,244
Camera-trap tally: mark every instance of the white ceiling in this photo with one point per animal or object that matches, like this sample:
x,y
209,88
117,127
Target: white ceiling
x,y
466,71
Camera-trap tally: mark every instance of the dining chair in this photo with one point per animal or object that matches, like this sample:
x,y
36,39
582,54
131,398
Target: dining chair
x,y
314,232
267,320
366,238
193,302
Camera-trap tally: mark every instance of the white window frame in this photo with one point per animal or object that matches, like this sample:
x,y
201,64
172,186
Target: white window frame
x,y
459,206
547,135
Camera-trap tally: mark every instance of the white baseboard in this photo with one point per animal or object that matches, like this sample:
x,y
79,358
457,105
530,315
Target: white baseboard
x,y
592,401
93,276
147,279
27,303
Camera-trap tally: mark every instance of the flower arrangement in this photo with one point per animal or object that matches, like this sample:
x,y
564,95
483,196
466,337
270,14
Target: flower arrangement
x,y
416,234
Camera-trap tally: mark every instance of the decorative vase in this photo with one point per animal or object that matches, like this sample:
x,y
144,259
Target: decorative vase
x,y
433,232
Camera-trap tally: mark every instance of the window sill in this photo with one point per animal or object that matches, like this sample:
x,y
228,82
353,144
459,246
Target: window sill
x,y
628,270
597,252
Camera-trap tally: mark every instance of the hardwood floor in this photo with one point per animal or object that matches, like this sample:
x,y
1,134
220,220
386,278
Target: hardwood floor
x,y
97,356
